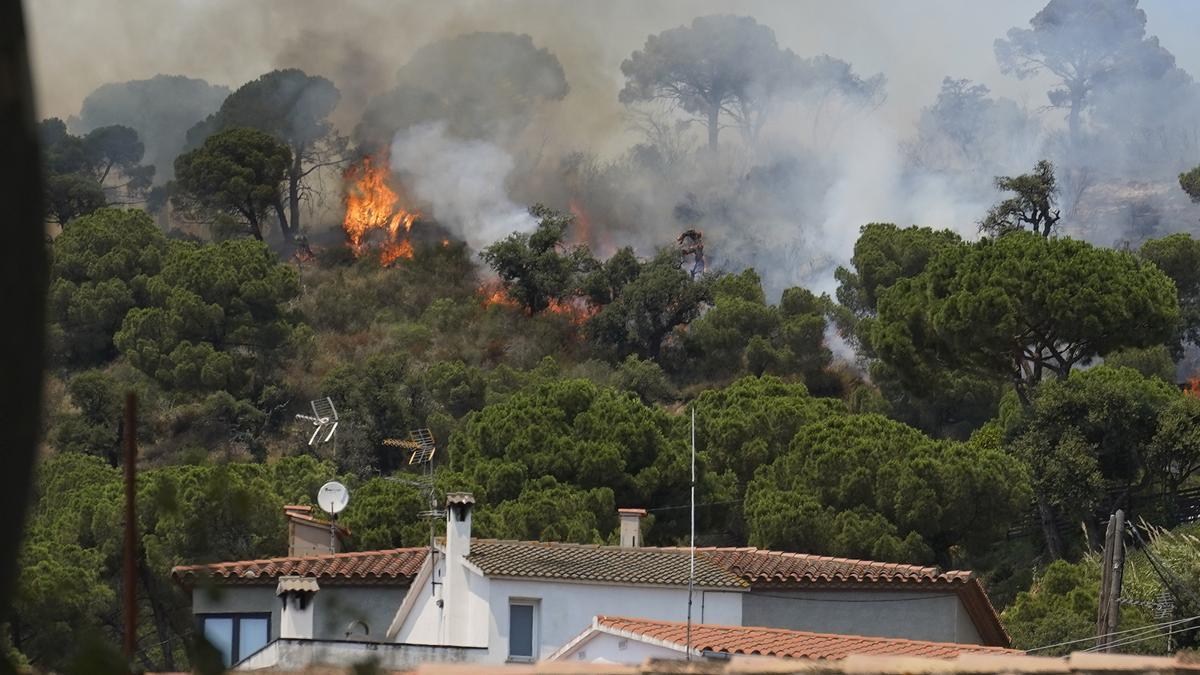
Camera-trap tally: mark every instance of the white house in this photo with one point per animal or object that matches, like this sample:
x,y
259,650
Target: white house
x,y
503,601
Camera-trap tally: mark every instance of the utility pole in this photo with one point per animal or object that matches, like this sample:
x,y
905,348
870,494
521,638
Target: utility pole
x,y
130,469
692,556
1108,615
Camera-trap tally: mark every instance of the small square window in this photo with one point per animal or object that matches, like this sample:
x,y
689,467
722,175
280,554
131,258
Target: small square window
x,y
522,630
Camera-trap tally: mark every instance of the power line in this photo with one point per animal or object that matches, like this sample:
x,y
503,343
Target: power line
x,y
688,506
1139,629
1147,633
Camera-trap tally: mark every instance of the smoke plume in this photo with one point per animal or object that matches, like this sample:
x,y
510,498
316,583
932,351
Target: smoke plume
x,y
463,181
788,199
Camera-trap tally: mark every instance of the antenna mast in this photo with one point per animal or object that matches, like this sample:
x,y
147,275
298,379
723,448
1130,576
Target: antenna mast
x,y
692,555
422,447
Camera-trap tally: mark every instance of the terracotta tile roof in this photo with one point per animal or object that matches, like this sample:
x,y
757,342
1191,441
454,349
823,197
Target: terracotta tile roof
x,y
587,562
727,567
388,566
781,642
761,566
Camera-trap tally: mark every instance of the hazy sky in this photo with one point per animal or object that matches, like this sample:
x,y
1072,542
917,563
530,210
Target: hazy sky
x,y
81,44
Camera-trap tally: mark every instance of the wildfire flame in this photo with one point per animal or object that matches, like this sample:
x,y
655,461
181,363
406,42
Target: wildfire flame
x,y
577,310
583,223
372,205
1193,386
493,293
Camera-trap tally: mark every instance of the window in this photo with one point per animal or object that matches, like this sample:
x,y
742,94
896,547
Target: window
x,y
236,636
522,630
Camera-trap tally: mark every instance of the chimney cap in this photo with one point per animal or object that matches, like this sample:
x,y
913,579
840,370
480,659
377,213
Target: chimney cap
x,y
640,513
297,508
460,498
296,584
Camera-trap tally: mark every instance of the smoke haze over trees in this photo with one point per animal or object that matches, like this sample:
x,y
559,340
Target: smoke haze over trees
x,y
827,146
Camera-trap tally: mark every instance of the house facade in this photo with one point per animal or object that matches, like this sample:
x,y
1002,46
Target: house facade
x,y
518,601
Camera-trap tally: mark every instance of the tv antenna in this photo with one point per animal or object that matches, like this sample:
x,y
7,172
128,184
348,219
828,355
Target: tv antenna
x,y
422,449
324,418
420,444
333,498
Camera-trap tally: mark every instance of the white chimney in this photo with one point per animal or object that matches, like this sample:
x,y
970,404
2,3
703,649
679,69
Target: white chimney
x,y
296,616
456,592
631,527
458,524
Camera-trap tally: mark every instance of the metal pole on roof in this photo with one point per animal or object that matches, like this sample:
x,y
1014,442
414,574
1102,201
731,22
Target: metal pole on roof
x,y
692,555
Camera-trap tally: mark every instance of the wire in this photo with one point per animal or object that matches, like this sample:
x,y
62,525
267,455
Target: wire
x,y
1138,634
1147,633
689,506
1139,629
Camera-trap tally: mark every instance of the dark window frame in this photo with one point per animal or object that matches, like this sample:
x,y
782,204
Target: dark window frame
x,y
535,605
236,618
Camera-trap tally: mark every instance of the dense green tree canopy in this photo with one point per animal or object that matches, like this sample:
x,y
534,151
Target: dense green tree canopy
x,y
649,308
866,486
238,172
294,107
1061,606
215,317
78,168
102,265
535,268
1178,256
930,395
752,421
741,332
1022,306
578,435
1089,432
883,255
1189,181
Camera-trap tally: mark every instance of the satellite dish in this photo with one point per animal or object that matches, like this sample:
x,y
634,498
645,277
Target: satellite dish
x,y
333,497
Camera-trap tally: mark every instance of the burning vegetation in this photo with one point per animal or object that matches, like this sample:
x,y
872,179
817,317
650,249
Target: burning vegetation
x,y
373,207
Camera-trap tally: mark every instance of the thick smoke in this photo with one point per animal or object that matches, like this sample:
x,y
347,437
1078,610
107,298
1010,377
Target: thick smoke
x,y
463,181
161,109
789,200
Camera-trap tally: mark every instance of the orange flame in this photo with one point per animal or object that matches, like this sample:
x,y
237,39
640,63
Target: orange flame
x,y
493,293
583,224
576,310
372,205
1193,386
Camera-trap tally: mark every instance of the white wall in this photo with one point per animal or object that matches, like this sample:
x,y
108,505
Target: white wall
x,y
429,624
606,648
566,609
